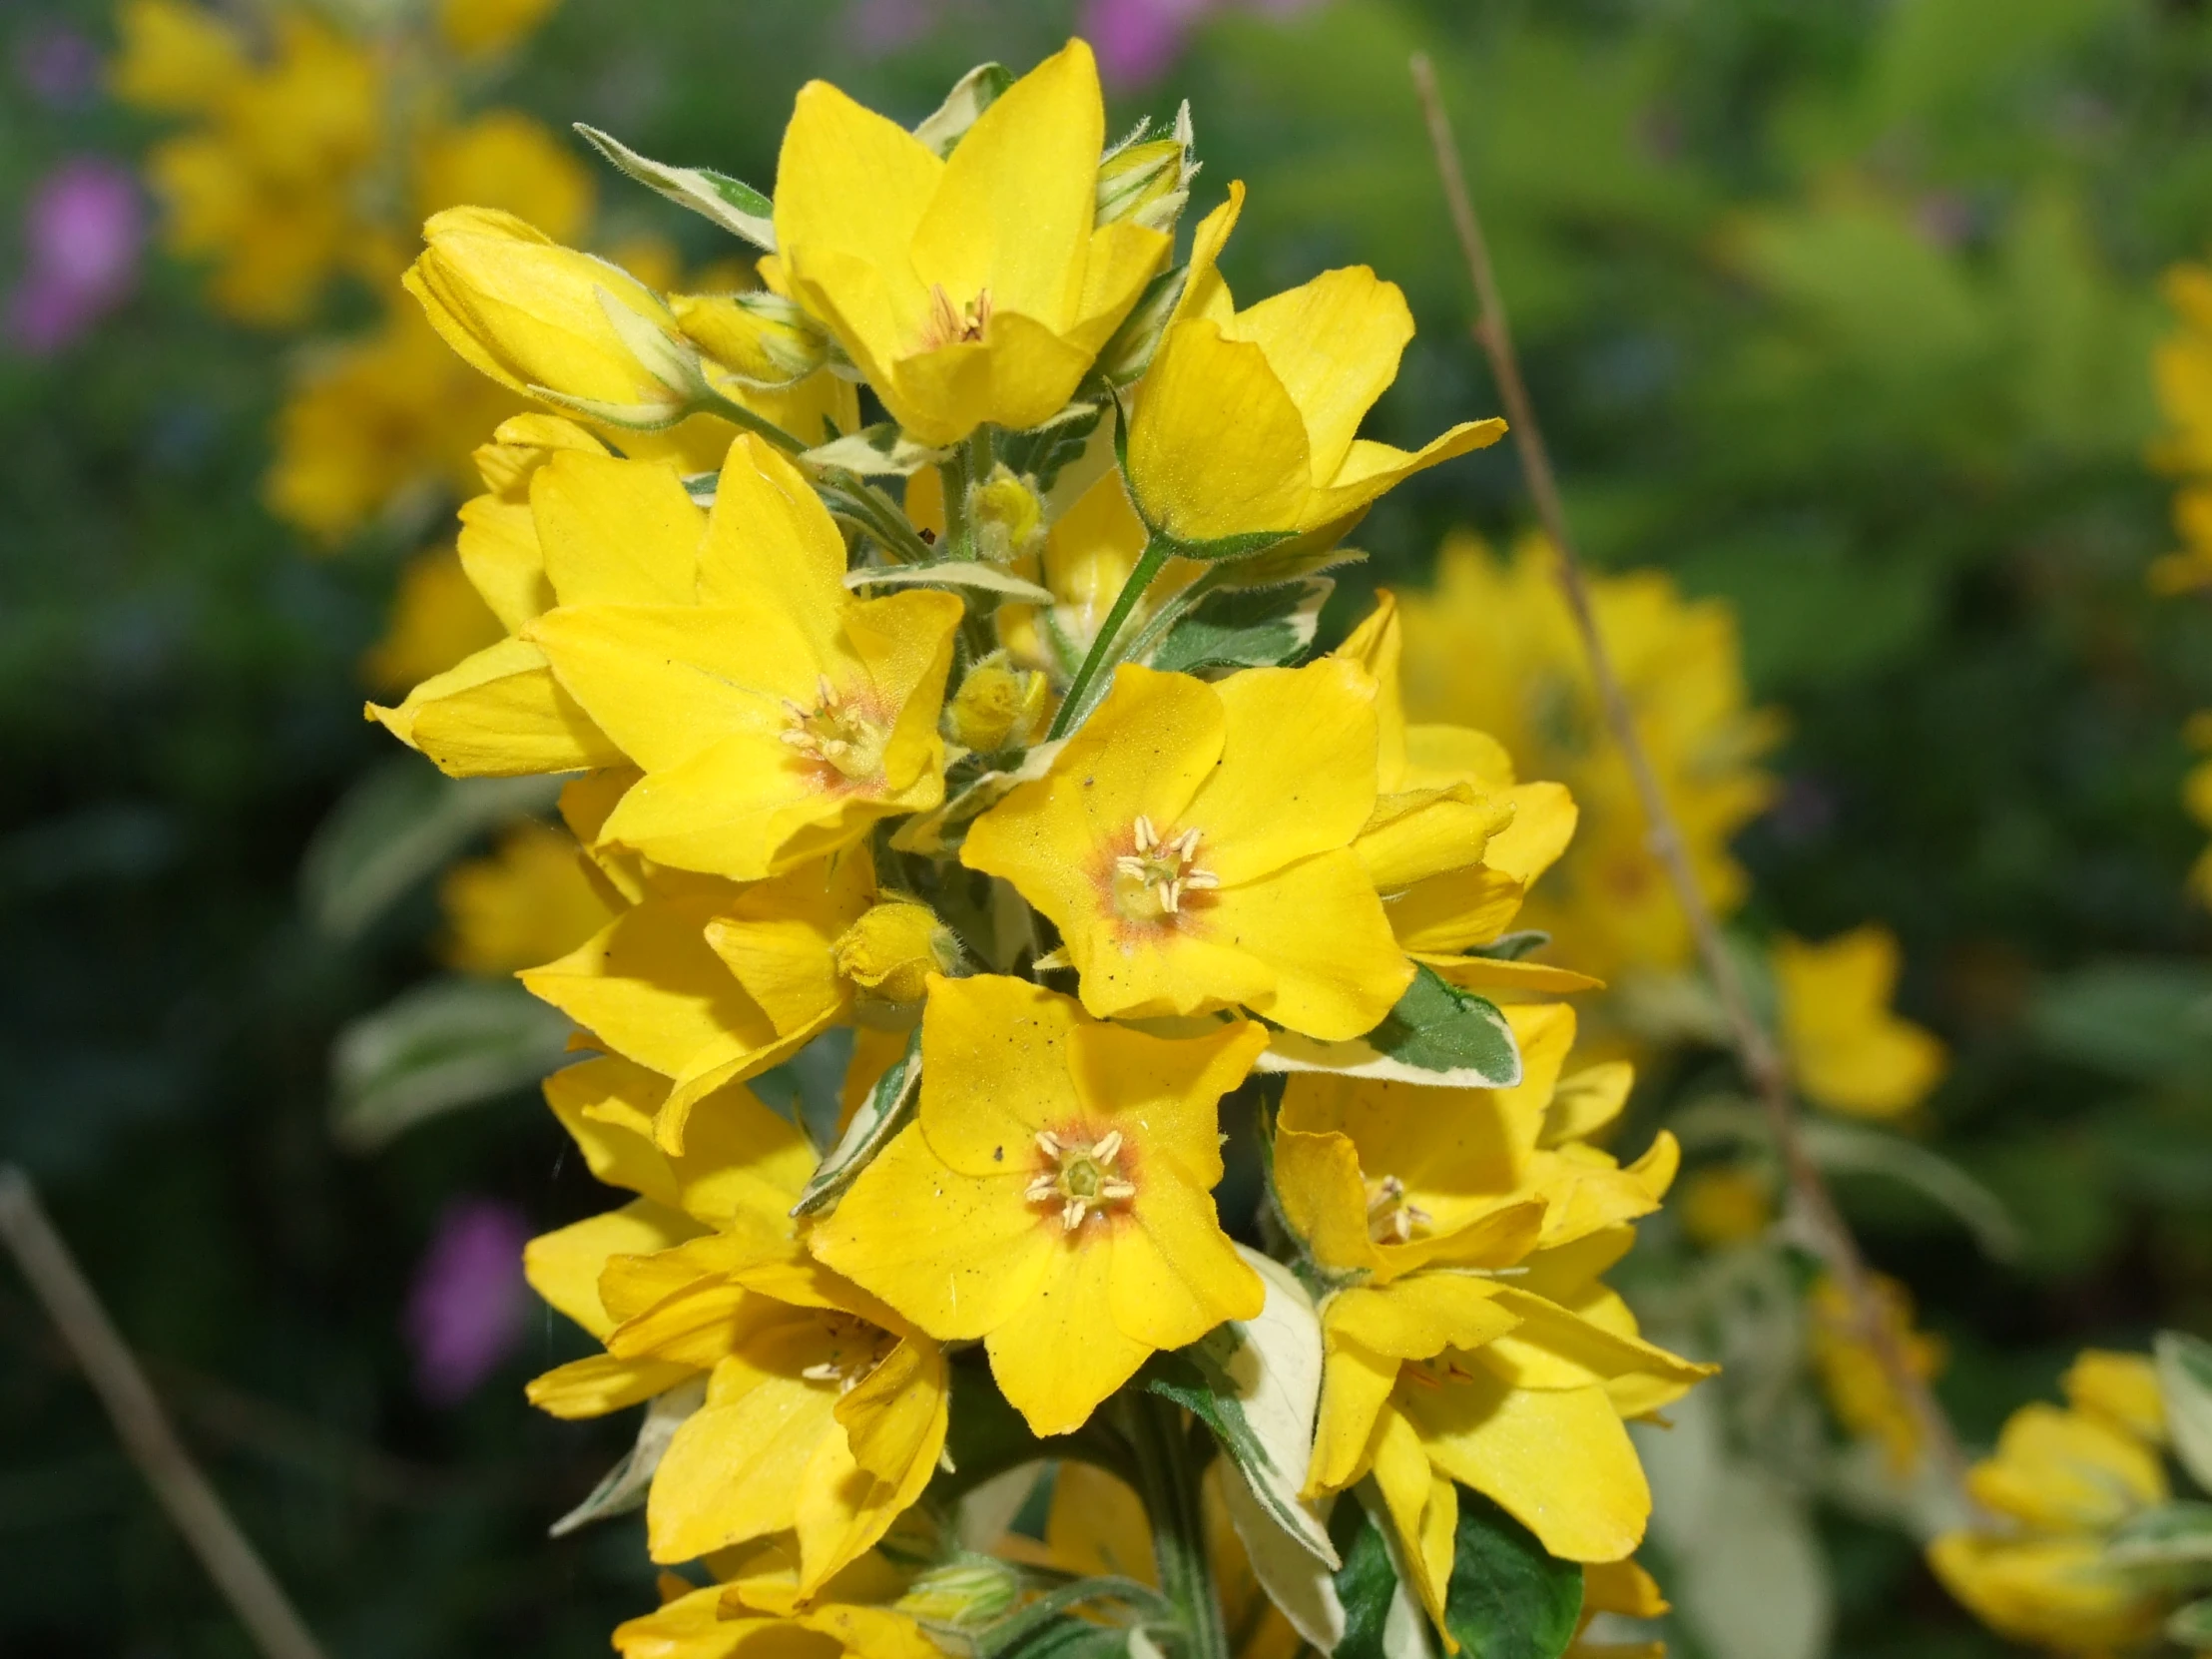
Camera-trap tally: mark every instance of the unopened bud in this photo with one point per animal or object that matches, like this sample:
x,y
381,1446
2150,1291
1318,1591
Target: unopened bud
x,y
1148,180
998,706
974,1590
552,323
762,340
893,948
1008,515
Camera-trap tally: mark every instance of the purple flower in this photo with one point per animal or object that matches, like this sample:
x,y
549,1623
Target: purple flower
x,y
83,232
1137,40
58,66
469,1307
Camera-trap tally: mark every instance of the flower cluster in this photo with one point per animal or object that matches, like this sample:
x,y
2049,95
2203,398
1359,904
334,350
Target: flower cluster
x,y
984,750
2083,1549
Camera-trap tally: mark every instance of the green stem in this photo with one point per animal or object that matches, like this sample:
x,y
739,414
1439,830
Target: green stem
x,y
731,409
1156,554
1168,1483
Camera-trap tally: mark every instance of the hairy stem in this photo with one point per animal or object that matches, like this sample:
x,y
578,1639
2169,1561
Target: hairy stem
x,y
1156,554
1167,1480
1761,1060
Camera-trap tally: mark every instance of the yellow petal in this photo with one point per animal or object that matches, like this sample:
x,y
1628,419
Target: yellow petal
x,y
1355,1396
564,1265
1543,822
1061,1353
1558,1461
499,550
500,713
956,1254
1296,772
1325,1198
769,532
1423,1509
1334,343
1322,934
602,1105
615,532
602,1384
1216,445
2122,1388
1204,292
997,1071
733,1470
1372,470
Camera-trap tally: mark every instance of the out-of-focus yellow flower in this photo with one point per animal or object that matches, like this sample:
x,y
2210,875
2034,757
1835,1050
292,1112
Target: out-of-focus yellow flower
x,y
267,184
487,26
1054,1195
970,291
2059,1483
505,160
1469,1338
2122,1388
1494,647
1726,1204
1850,1053
373,423
437,619
1192,845
530,902
1622,1588
1852,1376
1246,422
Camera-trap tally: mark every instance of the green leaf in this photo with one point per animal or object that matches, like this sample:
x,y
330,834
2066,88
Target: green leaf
x,y
731,203
442,1045
1042,453
886,1111
2168,1536
1245,628
1438,1035
2191,1626
399,825
950,573
880,450
963,105
625,1487
1512,947
1365,1583
2185,1385
1508,1598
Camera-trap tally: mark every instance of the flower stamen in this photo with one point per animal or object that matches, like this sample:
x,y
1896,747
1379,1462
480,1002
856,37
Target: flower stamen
x,y
1080,1179
834,733
951,325
1150,882
1390,1220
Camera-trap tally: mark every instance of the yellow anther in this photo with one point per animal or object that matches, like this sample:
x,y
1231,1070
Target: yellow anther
x,y
1080,1179
834,733
1150,882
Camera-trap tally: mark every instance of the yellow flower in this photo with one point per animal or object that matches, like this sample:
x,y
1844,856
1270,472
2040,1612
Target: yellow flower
x,y
505,160
1849,1051
1494,647
701,979
2063,1480
485,26
437,619
970,291
1468,1338
1192,843
1723,1206
265,186
374,421
1246,422
1053,1196
873,1609
998,706
1454,842
530,902
1852,1376
823,1411
775,717
2122,1388
893,948
552,323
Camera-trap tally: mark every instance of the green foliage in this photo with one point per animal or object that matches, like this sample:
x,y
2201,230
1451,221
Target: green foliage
x,y
1508,1599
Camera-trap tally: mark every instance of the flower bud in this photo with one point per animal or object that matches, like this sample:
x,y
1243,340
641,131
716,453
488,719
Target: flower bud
x,y
1008,514
1148,180
553,323
998,706
762,340
974,1590
895,948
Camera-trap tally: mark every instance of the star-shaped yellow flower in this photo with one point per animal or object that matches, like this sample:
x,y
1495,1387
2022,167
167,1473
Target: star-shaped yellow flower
x,y
1192,845
775,717
1247,422
1053,1196
970,291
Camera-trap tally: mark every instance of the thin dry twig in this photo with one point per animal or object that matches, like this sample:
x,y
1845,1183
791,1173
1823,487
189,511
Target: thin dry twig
x,y
1761,1060
144,1428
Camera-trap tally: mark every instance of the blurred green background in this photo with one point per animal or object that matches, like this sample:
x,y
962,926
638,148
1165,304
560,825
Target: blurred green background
x,y
1842,313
